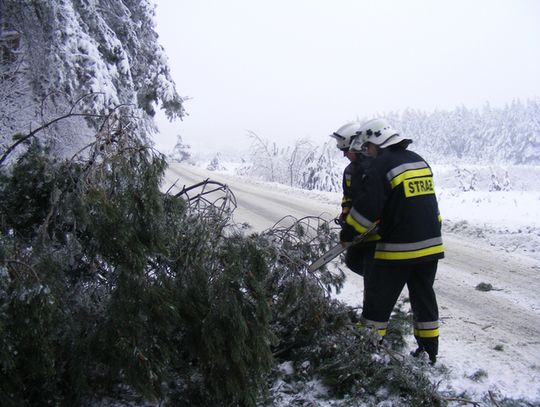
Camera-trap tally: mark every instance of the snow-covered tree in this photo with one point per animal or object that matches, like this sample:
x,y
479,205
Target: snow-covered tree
x,y
322,171
215,164
297,157
301,165
181,151
85,55
510,134
264,158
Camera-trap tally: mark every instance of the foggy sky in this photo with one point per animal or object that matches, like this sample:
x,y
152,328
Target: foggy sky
x,y
289,69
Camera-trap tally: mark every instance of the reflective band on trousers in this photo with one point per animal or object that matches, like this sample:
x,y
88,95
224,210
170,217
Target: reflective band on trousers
x,y
428,329
379,326
426,333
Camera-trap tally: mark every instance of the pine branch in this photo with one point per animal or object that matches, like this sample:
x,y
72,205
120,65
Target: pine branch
x,y
21,263
462,400
23,138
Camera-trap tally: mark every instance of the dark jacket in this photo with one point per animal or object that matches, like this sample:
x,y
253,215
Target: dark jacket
x,y
398,190
353,173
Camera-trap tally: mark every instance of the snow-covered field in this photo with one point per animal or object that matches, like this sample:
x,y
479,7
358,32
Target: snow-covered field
x,y
507,219
490,340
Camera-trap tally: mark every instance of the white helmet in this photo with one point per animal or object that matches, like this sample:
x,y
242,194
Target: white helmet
x,y
346,134
380,133
358,144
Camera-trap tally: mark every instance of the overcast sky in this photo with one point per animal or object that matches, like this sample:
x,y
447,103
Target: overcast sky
x,y
288,69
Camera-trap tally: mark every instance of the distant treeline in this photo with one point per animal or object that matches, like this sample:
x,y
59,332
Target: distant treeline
x,y
500,136
508,135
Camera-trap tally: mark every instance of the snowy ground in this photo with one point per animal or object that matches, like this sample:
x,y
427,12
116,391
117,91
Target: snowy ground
x,y
490,340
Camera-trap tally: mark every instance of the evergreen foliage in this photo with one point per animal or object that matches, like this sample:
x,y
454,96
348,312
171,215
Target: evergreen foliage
x,y
107,281
181,151
353,364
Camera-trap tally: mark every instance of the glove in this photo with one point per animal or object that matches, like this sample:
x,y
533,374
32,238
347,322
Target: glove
x,y
340,220
347,233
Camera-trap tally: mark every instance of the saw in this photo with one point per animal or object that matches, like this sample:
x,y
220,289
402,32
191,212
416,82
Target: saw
x,y
340,248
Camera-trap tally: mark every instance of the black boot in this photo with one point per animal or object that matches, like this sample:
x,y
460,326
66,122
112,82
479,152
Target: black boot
x,y
431,346
428,345
432,356
417,352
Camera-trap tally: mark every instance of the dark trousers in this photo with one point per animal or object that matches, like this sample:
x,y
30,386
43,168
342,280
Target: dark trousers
x,y
359,258
384,286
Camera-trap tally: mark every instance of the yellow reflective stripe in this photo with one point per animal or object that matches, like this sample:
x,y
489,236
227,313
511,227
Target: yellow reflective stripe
x,y
354,219
348,182
409,247
423,333
356,225
394,172
394,182
381,332
410,254
439,218
360,219
372,238
361,229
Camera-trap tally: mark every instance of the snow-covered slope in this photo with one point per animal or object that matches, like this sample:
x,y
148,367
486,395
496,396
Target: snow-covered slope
x,y
490,340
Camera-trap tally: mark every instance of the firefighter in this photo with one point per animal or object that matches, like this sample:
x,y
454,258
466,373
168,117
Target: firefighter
x,y
398,192
359,257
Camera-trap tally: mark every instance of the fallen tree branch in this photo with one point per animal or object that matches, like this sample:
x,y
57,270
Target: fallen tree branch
x,y
462,400
492,398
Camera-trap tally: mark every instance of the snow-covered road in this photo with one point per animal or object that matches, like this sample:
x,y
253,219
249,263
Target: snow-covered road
x,y
496,331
